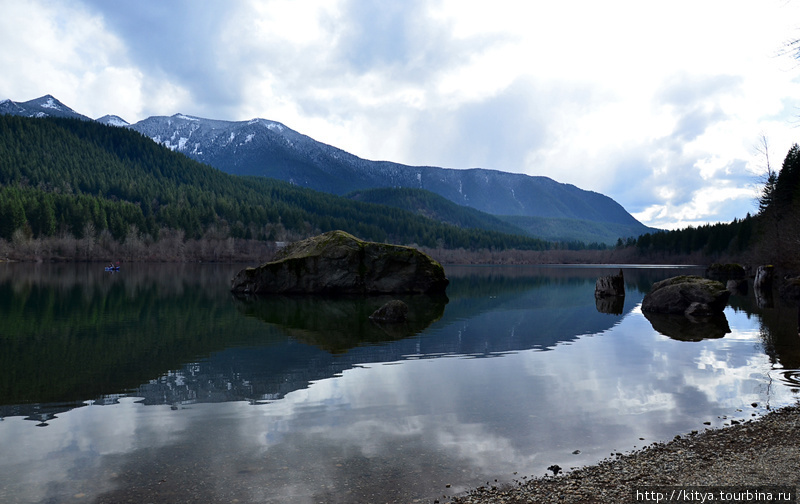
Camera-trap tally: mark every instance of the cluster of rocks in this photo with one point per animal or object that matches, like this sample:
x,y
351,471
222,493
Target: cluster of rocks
x,y
690,307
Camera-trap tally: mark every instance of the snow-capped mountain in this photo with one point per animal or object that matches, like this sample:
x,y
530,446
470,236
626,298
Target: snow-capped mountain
x,y
112,120
267,148
46,106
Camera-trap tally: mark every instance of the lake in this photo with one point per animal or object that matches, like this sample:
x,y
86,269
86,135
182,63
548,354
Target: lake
x,y
154,384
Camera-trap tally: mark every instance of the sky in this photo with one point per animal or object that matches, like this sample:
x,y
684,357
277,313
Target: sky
x,y
663,106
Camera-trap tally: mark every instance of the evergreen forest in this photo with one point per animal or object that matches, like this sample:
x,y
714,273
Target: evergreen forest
x,y
772,236
81,189
72,189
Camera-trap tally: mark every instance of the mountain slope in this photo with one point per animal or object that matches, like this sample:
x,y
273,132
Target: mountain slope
x,y
46,106
270,149
72,176
431,205
112,120
571,230
267,148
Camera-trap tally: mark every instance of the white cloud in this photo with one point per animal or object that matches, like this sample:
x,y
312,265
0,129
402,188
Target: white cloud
x,y
656,104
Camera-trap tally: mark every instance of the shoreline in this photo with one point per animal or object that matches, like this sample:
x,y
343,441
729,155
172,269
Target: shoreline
x,y
764,451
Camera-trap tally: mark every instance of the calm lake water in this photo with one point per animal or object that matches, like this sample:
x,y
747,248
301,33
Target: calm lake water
x,y
155,385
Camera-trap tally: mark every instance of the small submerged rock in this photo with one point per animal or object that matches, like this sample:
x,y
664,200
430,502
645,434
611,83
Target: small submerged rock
x,y
393,312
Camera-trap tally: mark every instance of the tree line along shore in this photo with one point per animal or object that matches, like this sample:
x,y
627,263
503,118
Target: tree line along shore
x,y
80,191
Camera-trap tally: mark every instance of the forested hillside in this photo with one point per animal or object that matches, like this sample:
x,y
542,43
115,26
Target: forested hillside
x,y
65,177
429,204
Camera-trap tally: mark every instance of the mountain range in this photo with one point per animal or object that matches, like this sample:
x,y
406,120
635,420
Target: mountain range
x,y
535,205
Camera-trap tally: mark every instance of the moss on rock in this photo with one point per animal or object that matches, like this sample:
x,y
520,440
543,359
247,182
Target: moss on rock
x,y
339,263
676,294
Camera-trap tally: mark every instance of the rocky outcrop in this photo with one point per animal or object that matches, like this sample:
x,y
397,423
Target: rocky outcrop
x,y
609,294
339,263
610,286
676,295
762,286
764,277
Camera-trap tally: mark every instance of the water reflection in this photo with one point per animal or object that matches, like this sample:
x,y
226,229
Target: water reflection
x,y
340,324
165,392
687,328
614,305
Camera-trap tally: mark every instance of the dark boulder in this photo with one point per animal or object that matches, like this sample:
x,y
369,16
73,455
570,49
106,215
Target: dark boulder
x,y
764,277
339,263
610,286
677,294
762,286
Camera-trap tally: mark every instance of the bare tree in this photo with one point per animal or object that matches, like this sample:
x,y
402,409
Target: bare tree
x,y
767,176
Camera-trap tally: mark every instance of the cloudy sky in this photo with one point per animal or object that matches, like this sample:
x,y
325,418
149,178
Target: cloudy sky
x,y
659,105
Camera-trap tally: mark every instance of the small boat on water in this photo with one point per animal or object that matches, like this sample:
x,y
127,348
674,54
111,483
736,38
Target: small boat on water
x,y
112,268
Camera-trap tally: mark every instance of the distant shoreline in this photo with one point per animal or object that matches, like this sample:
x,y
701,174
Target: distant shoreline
x,y
241,251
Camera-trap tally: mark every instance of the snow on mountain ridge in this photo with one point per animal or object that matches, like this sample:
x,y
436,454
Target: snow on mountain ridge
x,y
51,103
44,106
113,120
260,147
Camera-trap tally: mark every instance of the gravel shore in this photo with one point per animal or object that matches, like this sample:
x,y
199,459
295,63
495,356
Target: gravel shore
x,y
760,452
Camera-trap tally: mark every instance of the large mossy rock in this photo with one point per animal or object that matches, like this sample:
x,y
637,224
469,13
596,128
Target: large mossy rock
x,y
677,294
339,263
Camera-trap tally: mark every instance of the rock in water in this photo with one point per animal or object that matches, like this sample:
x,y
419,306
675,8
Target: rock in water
x,y
764,276
610,286
677,294
339,263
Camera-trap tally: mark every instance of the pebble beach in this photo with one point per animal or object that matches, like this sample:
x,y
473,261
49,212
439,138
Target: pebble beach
x,y
750,454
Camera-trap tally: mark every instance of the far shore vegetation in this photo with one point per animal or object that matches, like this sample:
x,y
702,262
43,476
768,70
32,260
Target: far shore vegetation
x,y
75,190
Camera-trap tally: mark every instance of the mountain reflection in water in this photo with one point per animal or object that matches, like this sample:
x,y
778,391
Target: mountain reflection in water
x,y
157,371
